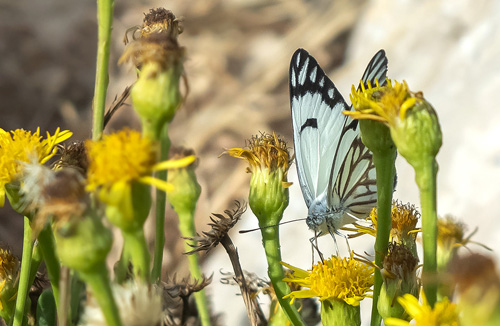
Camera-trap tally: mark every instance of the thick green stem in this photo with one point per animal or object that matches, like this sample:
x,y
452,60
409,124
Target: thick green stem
x,y
136,248
386,170
425,176
48,248
188,230
100,284
271,242
24,278
105,21
161,200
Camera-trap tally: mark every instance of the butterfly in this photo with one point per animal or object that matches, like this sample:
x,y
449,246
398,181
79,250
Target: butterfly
x,y
336,171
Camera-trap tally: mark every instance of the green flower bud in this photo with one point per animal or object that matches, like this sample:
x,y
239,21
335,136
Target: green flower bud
x,y
156,96
128,205
186,189
83,244
377,137
418,135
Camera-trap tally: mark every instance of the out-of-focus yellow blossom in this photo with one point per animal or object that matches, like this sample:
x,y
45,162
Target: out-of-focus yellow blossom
x,y
18,146
444,313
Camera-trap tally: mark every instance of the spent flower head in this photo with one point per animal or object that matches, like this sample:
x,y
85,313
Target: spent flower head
x,y
335,279
220,229
139,304
399,273
59,194
477,281
18,146
9,278
73,155
444,313
159,59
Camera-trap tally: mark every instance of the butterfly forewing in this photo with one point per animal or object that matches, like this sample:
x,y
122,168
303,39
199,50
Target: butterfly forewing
x,y
317,117
335,169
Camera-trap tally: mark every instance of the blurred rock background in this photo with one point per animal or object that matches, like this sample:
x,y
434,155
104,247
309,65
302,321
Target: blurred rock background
x,y
237,68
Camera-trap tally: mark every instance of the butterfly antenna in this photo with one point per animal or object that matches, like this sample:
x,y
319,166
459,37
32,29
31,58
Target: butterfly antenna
x,y
270,226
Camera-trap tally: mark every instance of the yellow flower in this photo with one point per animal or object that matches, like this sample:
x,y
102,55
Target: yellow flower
x,y
125,157
336,279
404,221
269,163
444,312
265,152
20,146
382,103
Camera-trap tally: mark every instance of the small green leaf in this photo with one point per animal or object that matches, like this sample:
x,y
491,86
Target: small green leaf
x,y
46,312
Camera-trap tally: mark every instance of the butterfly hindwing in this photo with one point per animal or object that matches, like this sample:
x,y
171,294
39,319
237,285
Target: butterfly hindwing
x,y
317,116
353,186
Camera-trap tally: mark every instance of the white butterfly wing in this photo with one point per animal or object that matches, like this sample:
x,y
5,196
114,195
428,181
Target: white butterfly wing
x,y
333,164
353,176
317,118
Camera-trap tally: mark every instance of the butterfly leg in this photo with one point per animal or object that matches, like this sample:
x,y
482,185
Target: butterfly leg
x,y
332,230
314,245
345,237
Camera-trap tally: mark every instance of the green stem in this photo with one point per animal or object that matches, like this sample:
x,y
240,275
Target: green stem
x,y
47,246
188,230
271,242
36,261
24,285
100,284
386,170
425,176
161,200
105,21
136,248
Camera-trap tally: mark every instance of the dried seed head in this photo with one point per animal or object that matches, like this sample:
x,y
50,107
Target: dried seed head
x,y
73,155
220,228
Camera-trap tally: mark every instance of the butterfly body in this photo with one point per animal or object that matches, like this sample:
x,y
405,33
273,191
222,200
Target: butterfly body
x,y
336,171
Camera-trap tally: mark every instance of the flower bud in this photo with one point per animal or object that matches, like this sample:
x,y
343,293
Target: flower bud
x,y
83,244
418,135
186,189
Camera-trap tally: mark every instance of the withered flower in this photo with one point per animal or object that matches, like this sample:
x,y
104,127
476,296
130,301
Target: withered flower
x,y
399,275
185,287
73,155
220,228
